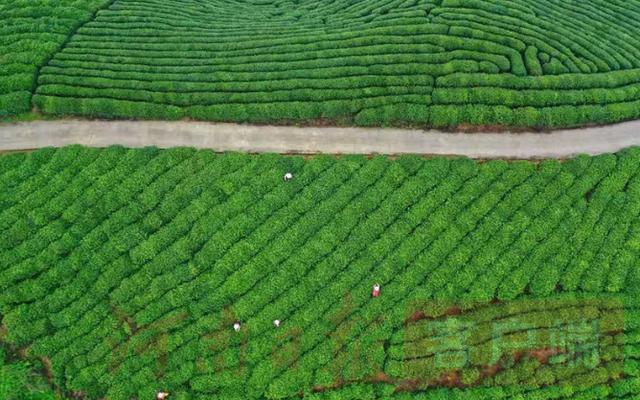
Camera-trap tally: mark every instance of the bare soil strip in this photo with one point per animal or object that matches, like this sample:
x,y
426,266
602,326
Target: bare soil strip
x,y
312,140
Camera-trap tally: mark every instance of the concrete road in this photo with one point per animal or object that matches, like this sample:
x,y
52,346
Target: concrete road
x,y
308,140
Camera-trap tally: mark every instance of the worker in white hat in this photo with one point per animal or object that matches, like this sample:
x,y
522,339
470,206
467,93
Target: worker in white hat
x,y
162,395
288,176
276,323
236,326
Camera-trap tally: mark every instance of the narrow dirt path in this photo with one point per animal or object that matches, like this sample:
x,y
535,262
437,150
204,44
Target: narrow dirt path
x,y
309,140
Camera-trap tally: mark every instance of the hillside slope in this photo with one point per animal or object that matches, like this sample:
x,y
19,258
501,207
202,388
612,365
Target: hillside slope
x,y
32,31
439,63
124,271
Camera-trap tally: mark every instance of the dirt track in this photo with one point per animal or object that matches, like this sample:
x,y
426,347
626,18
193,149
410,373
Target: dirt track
x,y
306,140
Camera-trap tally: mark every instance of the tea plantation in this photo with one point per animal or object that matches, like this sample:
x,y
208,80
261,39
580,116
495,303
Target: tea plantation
x,y
122,273
32,31
438,63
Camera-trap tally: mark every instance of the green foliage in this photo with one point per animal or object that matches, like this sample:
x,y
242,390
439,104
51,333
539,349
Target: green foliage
x,y
20,380
125,269
32,31
522,63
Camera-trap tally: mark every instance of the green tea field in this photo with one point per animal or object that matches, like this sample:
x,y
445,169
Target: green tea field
x,y
128,272
32,31
436,63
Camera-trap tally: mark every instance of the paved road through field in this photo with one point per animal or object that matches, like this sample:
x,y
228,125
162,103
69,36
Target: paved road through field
x,y
308,140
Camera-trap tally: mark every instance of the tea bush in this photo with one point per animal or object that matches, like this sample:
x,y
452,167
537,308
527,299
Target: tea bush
x,y
437,63
125,270
32,30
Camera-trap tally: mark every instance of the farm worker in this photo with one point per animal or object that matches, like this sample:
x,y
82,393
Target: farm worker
x,y
376,290
236,326
276,323
288,176
162,395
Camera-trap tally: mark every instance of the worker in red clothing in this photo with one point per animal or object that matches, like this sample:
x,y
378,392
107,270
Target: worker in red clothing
x,y
375,292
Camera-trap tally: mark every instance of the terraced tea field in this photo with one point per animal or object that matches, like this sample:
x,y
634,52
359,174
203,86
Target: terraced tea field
x,y
124,271
438,63
32,31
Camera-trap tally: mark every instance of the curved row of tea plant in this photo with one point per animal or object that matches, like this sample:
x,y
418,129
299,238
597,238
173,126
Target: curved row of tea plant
x,y
32,30
125,269
442,63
